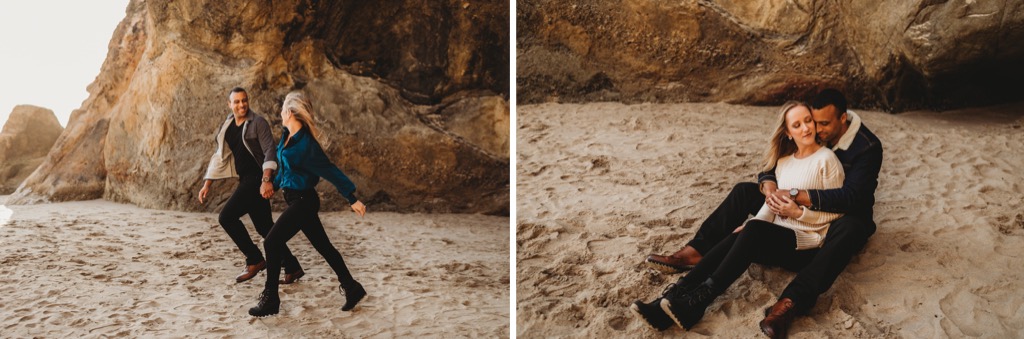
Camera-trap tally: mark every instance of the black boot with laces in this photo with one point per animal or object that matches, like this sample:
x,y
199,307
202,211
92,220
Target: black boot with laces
x,y
354,292
652,313
269,304
687,308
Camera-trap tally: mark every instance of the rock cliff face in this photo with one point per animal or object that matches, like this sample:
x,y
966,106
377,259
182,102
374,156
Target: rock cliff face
x,y
27,136
384,80
893,55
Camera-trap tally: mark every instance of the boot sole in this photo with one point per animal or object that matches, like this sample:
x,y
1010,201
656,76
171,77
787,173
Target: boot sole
x,y
666,307
636,311
264,316
666,268
354,305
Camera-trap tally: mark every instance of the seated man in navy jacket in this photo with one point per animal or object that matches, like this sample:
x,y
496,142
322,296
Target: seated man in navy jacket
x,y
861,155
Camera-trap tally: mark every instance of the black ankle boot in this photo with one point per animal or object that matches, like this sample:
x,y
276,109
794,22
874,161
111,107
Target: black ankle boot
x,y
269,304
679,288
354,292
686,309
652,314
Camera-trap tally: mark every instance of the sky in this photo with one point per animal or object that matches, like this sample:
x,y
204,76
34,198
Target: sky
x,y
50,51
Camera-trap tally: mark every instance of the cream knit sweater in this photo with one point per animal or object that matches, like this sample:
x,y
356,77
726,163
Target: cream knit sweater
x,y
820,170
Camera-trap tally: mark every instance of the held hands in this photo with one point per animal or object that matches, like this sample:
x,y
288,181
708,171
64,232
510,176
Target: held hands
x,y
780,204
359,208
266,190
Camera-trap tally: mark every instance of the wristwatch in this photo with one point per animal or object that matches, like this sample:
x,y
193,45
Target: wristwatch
x,y
793,192
266,179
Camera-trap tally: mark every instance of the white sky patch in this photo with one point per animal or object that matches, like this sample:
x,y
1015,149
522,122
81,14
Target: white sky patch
x,y
50,51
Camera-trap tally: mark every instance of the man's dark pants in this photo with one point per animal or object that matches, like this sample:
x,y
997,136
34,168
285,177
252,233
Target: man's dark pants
x,y
846,236
247,200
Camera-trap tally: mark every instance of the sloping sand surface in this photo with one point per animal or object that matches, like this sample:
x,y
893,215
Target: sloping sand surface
x,y
602,185
96,268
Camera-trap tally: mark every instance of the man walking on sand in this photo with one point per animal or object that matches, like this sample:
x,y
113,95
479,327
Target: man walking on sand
x,y
244,142
860,152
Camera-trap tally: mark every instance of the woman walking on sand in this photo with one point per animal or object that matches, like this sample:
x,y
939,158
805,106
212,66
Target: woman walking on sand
x,y
302,164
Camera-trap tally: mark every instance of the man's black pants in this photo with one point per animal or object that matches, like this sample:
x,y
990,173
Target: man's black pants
x,y
247,200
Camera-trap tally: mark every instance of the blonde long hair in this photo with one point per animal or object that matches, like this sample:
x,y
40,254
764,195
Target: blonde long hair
x,y
301,108
779,145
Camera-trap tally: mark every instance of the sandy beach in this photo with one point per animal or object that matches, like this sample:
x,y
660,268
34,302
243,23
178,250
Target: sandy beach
x,y
102,269
602,185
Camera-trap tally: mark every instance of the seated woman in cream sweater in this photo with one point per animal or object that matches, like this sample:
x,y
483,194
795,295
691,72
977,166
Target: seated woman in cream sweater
x,y
781,234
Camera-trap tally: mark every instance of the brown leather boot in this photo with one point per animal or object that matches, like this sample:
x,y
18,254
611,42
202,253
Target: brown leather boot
x,y
679,262
778,318
290,278
251,271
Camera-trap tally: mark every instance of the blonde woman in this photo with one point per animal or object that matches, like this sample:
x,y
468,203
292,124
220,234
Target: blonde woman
x,y
302,164
781,234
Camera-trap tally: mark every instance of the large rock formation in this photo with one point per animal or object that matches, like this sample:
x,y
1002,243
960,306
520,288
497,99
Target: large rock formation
x,y
404,92
27,136
893,55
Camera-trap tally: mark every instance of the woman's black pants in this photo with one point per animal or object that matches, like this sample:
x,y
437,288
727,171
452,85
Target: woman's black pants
x,y
761,242
301,214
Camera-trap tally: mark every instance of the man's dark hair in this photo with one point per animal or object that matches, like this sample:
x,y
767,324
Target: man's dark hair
x,y
236,90
830,96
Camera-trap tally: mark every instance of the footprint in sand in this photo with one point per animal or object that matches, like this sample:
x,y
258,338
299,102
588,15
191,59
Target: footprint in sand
x,y
612,247
965,314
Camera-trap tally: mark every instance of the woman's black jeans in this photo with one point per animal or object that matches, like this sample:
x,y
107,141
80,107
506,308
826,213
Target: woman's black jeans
x,y
846,236
301,214
247,200
761,242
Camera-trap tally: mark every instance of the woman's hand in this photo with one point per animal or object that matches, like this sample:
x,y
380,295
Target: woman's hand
x,y
359,208
784,206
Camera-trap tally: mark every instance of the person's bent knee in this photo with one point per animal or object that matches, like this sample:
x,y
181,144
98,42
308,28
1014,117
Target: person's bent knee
x,y
224,219
851,226
745,187
757,226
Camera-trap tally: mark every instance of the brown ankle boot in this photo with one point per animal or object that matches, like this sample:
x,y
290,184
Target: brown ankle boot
x,y
778,318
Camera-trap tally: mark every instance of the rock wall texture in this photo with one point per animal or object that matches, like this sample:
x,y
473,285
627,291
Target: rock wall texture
x,y
26,138
411,97
888,54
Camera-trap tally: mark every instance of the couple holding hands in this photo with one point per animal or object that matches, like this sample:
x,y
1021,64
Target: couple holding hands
x,y
246,150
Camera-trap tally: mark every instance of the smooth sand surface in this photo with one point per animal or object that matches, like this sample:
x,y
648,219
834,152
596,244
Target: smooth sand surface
x,y
602,185
102,269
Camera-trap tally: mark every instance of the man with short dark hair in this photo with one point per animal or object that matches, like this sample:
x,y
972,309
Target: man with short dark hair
x,y
246,150
860,152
